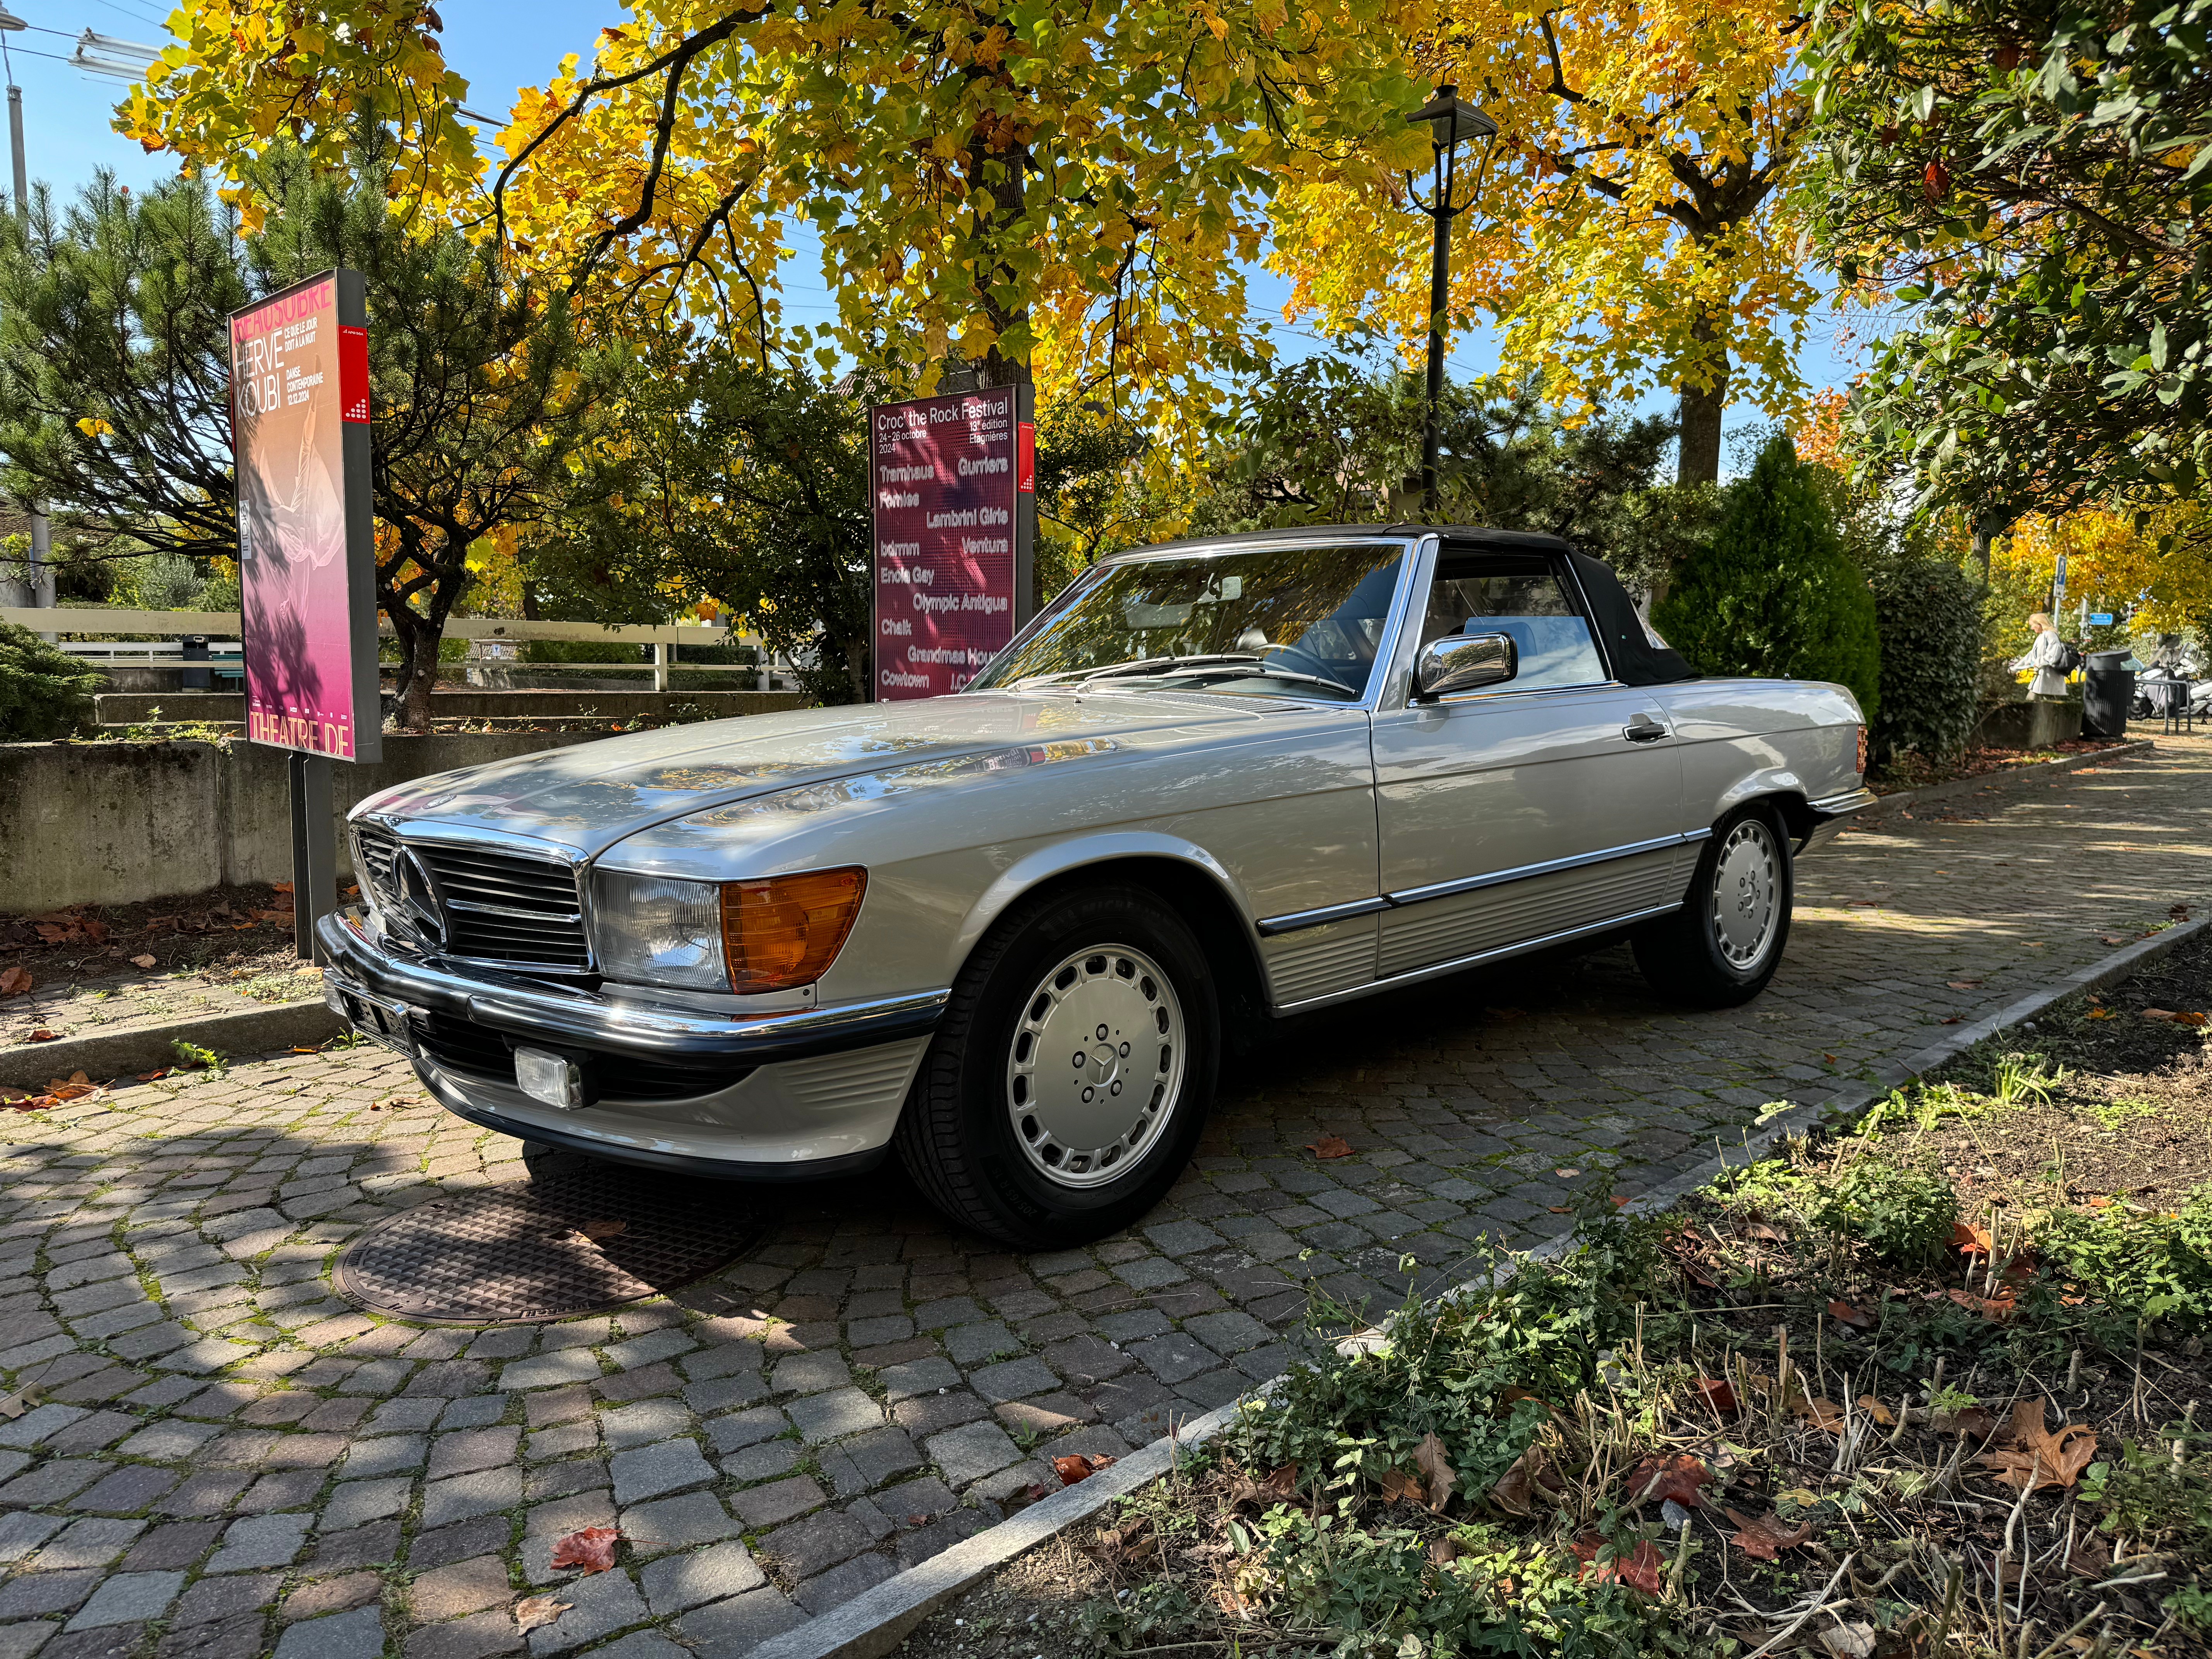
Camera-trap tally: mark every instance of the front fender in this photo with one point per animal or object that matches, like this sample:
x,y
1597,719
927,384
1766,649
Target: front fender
x,y
1043,864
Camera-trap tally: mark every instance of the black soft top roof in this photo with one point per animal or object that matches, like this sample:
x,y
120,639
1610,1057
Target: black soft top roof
x,y
1635,660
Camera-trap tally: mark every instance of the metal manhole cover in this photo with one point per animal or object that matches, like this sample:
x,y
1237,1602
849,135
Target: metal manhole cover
x,y
578,1241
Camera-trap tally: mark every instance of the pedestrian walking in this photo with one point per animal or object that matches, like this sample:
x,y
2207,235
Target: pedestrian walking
x,y
2051,657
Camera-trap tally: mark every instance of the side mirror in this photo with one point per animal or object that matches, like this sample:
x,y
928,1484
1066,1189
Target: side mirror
x,y
1465,662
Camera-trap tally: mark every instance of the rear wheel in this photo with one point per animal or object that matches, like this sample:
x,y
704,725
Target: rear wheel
x,y
1723,945
1067,1083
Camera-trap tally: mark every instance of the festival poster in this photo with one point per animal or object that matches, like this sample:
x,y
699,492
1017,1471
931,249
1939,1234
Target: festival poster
x,y
305,543
951,481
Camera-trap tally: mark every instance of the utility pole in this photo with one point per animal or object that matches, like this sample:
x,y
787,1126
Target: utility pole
x,y
41,569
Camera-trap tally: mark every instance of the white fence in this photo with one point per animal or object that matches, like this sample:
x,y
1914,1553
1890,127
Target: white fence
x,y
173,626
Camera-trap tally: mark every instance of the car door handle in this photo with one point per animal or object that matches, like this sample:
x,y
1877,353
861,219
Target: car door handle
x,y
1643,729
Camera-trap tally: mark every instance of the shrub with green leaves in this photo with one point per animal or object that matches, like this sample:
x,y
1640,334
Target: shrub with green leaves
x,y
2143,1265
1929,614
44,693
1773,594
1904,1217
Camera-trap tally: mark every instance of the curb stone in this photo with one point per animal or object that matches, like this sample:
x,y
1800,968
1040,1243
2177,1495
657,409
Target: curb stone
x,y
119,1054
872,1624
1906,799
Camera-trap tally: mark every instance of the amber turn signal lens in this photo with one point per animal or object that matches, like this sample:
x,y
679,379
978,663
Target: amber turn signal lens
x,y
784,932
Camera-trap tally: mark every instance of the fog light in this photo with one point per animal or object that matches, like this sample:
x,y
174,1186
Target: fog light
x,y
548,1077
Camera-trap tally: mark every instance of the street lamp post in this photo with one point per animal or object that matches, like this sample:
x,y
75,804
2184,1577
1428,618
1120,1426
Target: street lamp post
x,y
1450,117
41,573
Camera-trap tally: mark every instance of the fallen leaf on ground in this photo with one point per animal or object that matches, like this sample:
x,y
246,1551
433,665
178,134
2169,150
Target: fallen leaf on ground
x,y
280,886
14,1405
1442,1551
1761,1229
1561,1209
1678,1477
42,1035
1719,1392
145,960
1399,1487
1964,984
2172,1019
603,1229
1764,1536
153,1077
1824,1414
2093,1558
532,1611
1974,1240
1639,1569
1990,1307
75,1086
2102,1013
1851,1316
1281,1485
2029,1452
2112,939
1079,1466
1330,1147
14,981
591,1548
1973,1423
1516,1489
1873,1408
1567,1174
1437,1469
1849,1642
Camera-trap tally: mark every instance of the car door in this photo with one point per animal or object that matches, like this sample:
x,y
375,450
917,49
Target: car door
x,y
1543,806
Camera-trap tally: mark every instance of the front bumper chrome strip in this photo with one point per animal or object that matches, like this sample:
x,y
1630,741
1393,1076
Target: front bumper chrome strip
x,y
383,980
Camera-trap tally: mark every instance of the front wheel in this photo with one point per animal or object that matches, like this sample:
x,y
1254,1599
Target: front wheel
x,y
1067,1085
1723,946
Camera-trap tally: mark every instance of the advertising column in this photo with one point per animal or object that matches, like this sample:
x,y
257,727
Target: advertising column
x,y
952,482
306,553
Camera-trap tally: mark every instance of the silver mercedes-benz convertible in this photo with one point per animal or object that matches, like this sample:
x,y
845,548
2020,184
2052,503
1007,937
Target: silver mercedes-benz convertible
x,y
1009,932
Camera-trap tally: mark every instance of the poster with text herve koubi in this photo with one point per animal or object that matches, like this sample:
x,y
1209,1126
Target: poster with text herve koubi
x,y
307,552
952,486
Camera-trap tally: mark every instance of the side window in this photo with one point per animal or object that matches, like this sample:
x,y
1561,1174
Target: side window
x,y
1517,594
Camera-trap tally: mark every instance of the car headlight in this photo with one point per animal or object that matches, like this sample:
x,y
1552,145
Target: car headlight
x,y
747,936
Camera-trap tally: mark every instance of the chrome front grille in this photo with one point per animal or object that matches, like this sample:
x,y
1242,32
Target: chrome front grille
x,y
498,906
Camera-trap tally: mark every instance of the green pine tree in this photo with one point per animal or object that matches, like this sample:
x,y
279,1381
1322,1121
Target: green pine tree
x,y
1773,594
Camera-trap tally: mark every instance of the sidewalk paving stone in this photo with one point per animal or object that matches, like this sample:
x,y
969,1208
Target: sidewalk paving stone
x,y
244,1432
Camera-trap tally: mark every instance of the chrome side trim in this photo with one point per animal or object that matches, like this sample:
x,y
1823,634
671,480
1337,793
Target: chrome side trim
x,y
355,964
1522,873
1272,926
1459,963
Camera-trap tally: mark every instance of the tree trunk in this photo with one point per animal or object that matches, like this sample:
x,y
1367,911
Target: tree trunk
x,y
423,654
1698,460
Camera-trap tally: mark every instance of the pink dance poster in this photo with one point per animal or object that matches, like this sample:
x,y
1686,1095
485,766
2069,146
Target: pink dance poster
x,y
306,549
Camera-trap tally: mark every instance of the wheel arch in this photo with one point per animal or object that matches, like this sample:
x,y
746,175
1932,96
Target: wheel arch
x,y
1187,877
1782,792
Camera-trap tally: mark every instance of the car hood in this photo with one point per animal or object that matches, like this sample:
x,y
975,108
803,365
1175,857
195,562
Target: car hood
x,y
587,796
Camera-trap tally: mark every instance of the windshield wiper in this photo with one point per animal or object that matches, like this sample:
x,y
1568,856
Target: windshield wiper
x,y
1139,666
1263,672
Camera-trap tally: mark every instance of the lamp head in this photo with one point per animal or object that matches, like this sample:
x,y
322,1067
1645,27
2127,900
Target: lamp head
x,y
1450,117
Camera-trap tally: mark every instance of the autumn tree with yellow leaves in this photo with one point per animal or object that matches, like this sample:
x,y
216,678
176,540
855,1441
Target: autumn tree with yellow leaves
x,y
1632,230
1028,188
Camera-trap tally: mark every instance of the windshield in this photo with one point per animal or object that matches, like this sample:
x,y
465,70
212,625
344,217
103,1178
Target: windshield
x,y
1304,620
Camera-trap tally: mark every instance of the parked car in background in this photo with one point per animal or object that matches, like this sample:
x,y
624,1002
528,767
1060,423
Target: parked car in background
x,y
1005,932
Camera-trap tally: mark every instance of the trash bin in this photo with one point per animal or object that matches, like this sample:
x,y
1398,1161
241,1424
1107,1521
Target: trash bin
x,y
192,648
2108,688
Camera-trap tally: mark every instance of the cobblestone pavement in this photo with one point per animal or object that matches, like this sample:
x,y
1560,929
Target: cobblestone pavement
x,y
222,1460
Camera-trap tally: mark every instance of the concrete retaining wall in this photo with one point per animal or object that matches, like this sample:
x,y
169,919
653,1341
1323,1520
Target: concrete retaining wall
x,y
117,822
2037,723
132,707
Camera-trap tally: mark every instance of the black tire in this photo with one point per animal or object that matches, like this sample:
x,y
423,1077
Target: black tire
x,y
958,1136
1685,957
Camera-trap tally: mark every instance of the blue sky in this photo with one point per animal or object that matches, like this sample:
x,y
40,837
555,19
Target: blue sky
x,y
500,47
